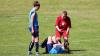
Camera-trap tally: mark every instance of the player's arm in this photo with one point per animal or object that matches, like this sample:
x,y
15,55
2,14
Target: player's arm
x,y
57,23
32,22
58,28
68,28
69,23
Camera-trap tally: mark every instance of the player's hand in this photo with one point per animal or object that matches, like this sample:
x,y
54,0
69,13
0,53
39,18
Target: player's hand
x,y
32,31
67,32
59,30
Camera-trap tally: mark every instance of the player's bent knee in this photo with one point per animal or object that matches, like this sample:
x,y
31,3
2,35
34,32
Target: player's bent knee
x,y
57,38
65,38
36,39
49,40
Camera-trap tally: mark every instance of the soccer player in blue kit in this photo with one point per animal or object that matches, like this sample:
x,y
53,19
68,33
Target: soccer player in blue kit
x,y
34,28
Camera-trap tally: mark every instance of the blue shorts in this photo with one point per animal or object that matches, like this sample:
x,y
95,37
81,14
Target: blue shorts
x,y
36,31
36,28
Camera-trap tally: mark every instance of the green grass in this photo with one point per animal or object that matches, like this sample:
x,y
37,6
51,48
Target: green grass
x,y
84,35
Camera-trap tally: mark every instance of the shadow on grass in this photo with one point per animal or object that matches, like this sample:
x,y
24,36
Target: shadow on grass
x,y
76,51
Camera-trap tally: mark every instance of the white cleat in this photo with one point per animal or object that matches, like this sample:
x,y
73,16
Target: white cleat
x,y
37,53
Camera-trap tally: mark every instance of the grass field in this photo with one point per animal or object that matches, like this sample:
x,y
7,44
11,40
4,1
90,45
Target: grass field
x,y
84,35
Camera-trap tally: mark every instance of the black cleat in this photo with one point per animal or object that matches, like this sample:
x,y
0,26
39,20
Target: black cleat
x,y
29,52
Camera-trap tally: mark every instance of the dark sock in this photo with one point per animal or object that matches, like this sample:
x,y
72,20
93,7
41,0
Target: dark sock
x,y
59,41
43,45
31,45
66,44
37,46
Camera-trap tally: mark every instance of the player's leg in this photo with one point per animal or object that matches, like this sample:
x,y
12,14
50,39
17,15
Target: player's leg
x,y
49,39
66,43
49,44
44,44
36,43
58,36
31,43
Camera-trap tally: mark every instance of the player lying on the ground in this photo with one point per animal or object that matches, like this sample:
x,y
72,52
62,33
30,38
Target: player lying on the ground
x,y
52,46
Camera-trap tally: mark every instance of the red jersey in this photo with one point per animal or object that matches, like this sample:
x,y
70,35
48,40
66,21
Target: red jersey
x,y
63,24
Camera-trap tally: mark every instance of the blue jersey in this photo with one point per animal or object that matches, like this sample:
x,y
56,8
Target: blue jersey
x,y
57,50
32,14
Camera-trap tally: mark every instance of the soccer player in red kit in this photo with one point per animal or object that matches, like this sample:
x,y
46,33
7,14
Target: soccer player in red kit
x,y
63,25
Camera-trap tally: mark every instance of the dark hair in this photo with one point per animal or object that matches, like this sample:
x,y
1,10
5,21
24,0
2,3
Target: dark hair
x,y
36,3
65,14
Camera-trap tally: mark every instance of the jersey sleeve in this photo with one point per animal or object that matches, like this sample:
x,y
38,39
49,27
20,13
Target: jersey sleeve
x,y
32,14
57,21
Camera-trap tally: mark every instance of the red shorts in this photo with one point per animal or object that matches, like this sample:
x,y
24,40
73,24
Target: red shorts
x,y
63,34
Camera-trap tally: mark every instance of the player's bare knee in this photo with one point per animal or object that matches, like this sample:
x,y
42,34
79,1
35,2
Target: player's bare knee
x,y
33,39
36,39
49,39
57,38
65,38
